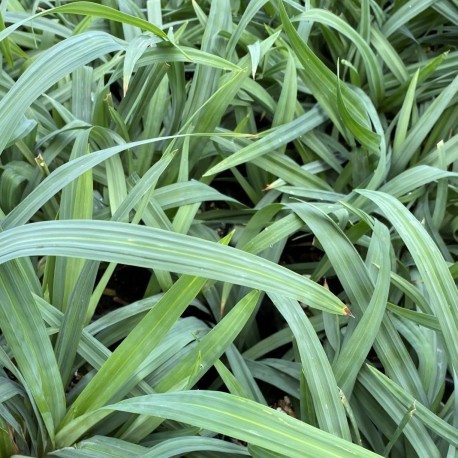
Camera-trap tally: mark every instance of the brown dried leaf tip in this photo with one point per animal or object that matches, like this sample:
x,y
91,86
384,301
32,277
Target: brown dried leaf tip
x,y
347,312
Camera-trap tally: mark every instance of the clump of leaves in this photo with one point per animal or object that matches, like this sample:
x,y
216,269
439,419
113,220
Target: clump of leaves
x,y
284,176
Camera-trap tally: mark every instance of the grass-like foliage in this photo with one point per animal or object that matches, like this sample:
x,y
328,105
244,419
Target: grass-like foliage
x,y
284,180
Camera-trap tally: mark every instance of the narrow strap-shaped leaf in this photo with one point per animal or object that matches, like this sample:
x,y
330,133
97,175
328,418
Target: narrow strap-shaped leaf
x,y
101,447
95,10
251,9
432,421
206,353
156,248
72,324
358,345
115,377
359,287
416,430
252,423
273,140
26,334
180,446
316,367
64,175
404,14
438,281
322,81
374,70
420,130
76,203
50,67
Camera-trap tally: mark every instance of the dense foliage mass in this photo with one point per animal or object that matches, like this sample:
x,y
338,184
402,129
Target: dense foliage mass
x,y
228,228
